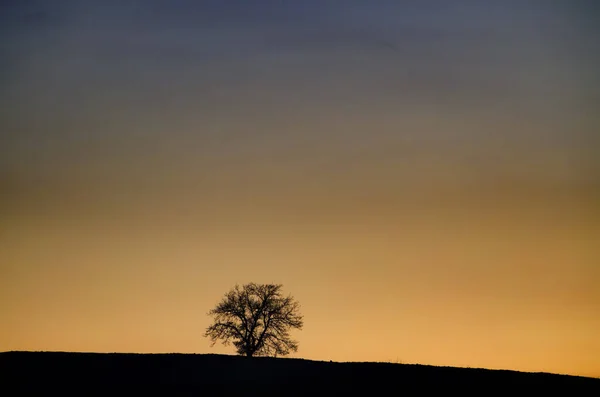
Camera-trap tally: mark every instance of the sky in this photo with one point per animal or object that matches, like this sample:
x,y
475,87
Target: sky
x,y
422,176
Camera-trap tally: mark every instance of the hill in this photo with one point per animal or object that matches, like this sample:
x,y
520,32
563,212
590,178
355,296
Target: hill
x,y
22,373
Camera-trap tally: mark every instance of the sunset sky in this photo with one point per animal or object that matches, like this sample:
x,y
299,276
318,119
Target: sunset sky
x,y
422,176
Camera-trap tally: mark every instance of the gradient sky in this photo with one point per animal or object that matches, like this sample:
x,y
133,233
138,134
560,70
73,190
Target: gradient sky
x,y
423,176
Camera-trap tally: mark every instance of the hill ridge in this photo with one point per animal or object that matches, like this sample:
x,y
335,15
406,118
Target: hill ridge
x,y
187,373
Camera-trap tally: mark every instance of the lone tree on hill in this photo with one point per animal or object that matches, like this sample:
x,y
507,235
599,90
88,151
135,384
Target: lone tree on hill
x,y
257,319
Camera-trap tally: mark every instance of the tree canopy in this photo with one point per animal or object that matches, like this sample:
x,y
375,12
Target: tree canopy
x,y
257,319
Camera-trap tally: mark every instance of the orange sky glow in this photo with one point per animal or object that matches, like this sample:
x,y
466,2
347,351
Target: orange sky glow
x,y
432,199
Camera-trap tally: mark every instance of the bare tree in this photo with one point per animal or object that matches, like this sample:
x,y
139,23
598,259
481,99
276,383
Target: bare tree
x,y
257,319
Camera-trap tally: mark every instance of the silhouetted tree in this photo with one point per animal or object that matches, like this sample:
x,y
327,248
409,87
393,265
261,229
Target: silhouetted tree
x,y
257,318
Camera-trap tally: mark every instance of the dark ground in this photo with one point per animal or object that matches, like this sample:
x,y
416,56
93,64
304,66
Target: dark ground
x,y
23,373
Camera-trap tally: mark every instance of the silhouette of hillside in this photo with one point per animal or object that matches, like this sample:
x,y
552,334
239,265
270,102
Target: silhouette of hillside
x,y
22,373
